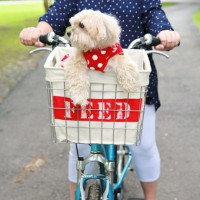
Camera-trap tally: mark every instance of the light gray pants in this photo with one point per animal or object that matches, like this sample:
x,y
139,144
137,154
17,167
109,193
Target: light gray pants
x,y
146,157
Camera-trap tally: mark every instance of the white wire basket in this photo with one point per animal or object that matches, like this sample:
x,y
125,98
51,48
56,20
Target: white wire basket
x,y
112,115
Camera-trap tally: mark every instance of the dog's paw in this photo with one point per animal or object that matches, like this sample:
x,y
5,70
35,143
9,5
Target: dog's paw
x,y
80,98
81,102
127,86
128,81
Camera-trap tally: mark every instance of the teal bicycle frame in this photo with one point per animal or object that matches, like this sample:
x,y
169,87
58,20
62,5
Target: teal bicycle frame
x,y
105,155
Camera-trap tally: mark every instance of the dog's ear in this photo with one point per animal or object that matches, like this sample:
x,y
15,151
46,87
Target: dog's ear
x,y
109,30
102,31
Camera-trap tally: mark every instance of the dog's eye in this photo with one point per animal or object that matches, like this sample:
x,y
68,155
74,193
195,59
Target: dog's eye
x,y
81,25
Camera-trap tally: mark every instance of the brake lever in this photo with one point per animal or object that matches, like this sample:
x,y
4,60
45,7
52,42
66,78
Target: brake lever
x,y
157,52
40,49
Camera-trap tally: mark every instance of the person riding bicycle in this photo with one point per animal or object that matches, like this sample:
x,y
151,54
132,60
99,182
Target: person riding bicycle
x,y
136,18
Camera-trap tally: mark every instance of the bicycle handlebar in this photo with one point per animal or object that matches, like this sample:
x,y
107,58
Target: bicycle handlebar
x,y
147,41
47,39
142,43
152,40
52,39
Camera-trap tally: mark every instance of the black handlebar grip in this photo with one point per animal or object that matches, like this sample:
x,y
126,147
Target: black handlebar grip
x,y
155,41
44,39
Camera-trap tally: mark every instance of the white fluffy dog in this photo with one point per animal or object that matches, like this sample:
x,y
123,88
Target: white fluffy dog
x,y
95,36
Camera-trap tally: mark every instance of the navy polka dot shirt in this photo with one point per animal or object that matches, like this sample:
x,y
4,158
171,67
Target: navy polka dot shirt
x,y
136,17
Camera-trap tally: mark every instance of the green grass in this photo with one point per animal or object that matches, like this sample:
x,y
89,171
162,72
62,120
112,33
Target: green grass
x,y
13,19
168,3
196,18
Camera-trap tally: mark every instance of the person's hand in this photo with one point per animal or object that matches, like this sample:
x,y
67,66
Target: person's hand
x,y
169,40
30,37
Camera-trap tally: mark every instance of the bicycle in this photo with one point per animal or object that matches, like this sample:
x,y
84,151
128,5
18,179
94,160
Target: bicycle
x,y
109,113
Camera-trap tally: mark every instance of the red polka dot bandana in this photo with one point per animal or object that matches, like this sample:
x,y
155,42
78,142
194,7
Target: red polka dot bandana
x,y
97,59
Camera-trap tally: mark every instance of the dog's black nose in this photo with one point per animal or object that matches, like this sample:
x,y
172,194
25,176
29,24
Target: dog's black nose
x,y
69,34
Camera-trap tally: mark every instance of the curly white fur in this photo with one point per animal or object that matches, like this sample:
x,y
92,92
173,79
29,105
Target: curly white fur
x,y
95,30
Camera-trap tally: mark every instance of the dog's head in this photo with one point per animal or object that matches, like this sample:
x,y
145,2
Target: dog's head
x,y
93,30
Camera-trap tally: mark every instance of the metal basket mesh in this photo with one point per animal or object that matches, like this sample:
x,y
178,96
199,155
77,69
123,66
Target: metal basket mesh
x,y
111,116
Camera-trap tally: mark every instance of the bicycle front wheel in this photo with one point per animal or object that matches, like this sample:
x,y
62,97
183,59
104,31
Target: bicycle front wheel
x,y
94,191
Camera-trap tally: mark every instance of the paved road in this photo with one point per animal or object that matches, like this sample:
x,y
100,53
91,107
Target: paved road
x,y
31,167
179,117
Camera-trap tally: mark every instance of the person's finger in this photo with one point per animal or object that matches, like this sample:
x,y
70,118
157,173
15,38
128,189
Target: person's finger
x,y
22,36
39,44
29,38
35,35
163,38
159,47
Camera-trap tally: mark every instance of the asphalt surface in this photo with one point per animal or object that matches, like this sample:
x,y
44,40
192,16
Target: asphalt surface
x,y
31,167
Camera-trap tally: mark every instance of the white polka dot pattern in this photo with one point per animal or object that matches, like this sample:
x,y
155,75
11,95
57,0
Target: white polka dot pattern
x,y
136,18
98,59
